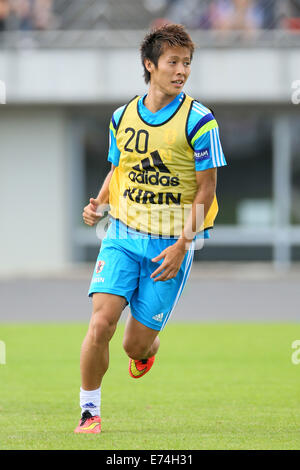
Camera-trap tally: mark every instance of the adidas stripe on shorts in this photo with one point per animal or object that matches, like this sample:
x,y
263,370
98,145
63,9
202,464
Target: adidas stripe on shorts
x,y
124,267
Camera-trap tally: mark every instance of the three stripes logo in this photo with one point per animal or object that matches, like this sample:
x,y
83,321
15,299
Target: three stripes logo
x,y
158,317
157,162
147,173
89,405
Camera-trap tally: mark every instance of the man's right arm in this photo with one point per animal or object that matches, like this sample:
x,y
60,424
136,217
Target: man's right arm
x,y
90,214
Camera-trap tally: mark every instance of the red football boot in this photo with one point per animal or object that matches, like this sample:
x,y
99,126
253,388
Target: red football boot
x,y
139,368
88,424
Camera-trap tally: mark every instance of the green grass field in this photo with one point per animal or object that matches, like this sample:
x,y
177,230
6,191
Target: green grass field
x,y
213,386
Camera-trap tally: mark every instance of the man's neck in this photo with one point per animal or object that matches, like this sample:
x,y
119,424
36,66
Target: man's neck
x,y
156,100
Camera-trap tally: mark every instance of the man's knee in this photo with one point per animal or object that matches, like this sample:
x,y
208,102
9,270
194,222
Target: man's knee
x,y
134,349
102,327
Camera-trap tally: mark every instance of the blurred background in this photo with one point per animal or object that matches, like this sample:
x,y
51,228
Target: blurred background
x,y
67,65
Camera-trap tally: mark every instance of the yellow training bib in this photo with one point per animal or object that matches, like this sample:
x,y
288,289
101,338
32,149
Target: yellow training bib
x,y
154,186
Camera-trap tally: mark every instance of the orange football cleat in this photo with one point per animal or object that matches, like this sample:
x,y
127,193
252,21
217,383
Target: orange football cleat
x,y
139,368
88,424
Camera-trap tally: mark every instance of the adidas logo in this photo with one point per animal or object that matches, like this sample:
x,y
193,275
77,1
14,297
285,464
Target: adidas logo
x,y
157,162
140,173
158,317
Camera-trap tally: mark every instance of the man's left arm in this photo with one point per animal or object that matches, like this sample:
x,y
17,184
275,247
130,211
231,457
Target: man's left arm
x,y
206,190
174,255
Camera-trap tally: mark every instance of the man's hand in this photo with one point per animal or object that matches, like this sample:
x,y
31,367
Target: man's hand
x,y
173,257
90,214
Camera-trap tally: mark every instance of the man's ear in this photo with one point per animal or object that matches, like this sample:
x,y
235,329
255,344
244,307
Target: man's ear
x,y
148,65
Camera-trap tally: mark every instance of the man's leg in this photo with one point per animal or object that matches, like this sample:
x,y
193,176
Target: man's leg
x,y
107,309
94,358
139,342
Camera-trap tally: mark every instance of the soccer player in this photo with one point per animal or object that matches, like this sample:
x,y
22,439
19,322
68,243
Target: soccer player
x,y
164,150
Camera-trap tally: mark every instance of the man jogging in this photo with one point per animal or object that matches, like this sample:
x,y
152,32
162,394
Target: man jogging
x,y
164,151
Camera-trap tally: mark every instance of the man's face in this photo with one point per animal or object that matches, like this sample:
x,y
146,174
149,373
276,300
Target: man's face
x,y
172,71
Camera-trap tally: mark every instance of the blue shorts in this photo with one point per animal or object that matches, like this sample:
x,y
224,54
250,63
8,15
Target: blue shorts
x,y
124,267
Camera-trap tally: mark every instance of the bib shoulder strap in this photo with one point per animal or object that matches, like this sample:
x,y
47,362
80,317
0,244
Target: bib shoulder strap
x,y
124,111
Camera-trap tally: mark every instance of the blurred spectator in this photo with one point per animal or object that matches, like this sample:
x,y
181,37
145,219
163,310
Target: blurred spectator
x,y
28,15
4,13
192,13
269,10
155,6
295,8
291,14
224,15
42,14
20,15
235,15
246,15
